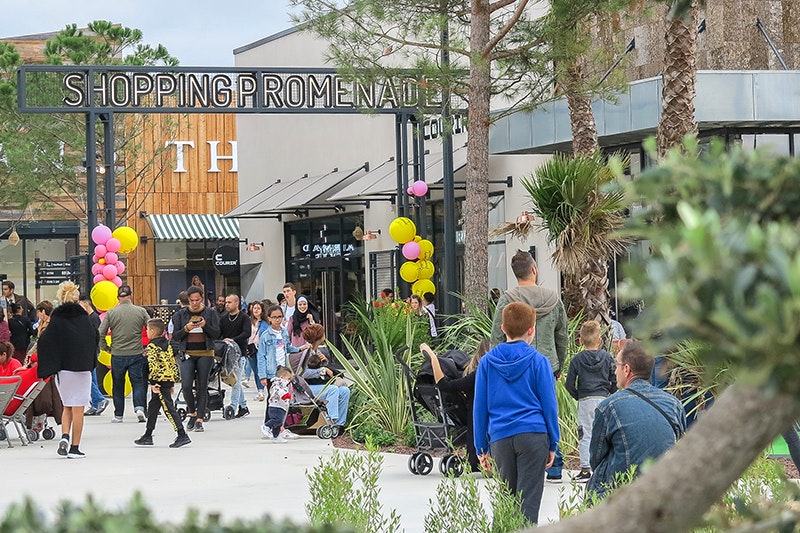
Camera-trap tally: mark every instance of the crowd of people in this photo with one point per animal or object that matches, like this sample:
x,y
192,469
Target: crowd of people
x,y
509,385
151,355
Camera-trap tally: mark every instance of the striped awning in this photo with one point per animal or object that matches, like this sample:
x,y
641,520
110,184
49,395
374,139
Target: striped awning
x,y
193,227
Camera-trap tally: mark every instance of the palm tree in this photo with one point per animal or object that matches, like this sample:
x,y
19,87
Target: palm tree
x,y
580,216
680,75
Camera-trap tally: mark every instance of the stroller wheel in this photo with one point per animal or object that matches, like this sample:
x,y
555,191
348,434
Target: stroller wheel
x,y
335,431
443,464
32,435
182,413
48,434
228,413
325,432
424,463
207,415
453,466
412,463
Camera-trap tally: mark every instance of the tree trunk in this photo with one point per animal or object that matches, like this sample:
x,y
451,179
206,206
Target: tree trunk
x,y
674,494
476,208
584,128
679,79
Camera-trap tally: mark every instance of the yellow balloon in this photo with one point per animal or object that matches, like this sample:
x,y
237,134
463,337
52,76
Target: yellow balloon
x,y
425,249
127,237
409,271
425,269
104,358
402,230
104,295
422,286
417,238
108,340
108,384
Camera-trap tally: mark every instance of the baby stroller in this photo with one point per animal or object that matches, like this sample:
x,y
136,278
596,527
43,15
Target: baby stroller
x,y
15,398
450,412
307,415
224,369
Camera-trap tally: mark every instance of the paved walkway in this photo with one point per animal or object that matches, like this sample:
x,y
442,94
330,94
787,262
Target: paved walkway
x,y
229,469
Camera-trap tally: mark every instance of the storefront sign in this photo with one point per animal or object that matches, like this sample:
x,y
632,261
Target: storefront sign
x,y
258,90
319,251
226,260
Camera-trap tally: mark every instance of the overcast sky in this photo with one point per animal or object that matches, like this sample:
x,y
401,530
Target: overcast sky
x,y
197,32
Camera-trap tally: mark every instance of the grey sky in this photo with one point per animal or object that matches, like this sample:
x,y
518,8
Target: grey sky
x,y
197,32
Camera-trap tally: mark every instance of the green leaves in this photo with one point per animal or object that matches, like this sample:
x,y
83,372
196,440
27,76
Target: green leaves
x,y
725,268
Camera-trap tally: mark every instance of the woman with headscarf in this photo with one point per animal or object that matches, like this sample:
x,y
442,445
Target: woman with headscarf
x,y
67,349
305,314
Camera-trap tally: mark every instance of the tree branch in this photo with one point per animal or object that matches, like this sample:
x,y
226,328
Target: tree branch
x,y
508,25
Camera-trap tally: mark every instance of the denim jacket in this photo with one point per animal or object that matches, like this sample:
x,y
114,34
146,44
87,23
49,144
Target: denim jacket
x,y
628,431
267,362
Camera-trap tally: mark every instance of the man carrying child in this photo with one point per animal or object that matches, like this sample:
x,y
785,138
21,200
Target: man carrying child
x,y
280,393
162,375
590,379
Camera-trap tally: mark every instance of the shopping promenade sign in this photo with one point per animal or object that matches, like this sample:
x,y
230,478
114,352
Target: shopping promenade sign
x,y
125,89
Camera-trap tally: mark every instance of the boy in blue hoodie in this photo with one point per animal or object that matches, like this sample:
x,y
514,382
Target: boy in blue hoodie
x,y
515,413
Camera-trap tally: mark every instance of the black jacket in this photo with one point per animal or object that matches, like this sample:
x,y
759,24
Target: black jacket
x,y
68,343
591,373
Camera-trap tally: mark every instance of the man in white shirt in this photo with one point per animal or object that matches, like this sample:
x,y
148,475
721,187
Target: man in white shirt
x,y
289,303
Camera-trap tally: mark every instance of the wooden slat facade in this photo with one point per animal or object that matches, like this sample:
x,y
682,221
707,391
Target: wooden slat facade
x,y
196,191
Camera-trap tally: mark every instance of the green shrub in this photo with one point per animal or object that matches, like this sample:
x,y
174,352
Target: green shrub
x,y
344,490
458,508
377,436
72,518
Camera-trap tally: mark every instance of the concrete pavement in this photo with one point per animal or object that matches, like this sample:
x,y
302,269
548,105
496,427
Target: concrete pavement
x,y
229,469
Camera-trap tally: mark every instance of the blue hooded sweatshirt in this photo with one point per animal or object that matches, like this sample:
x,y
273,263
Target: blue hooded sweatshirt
x,y
514,393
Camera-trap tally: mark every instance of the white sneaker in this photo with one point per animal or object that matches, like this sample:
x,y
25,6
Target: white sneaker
x,y
63,446
260,396
267,432
279,440
246,383
140,415
286,434
116,420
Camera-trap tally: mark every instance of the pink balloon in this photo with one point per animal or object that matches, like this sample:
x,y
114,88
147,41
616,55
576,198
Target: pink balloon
x,y
410,191
109,272
98,278
97,269
101,234
411,250
420,188
94,259
111,258
117,281
102,316
120,267
113,245
100,251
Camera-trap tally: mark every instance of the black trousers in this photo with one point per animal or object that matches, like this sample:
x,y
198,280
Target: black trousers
x,y
163,400
521,460
195,371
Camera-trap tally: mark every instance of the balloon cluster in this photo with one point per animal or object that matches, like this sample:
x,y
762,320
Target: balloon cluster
x,y
418,188
108,382
418,270
106,265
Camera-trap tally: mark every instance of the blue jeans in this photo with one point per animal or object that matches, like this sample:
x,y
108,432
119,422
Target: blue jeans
x,y
134,366
558,464
97,395
237,394
254,368
338,399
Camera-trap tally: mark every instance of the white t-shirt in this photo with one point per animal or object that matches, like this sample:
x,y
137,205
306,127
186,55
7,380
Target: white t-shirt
x,y
280,349
287,313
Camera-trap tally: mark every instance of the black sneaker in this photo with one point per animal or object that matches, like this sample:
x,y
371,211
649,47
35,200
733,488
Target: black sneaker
x,y
198,427
583,476
75,454
553,479
243,411
181,440
190,424
144,440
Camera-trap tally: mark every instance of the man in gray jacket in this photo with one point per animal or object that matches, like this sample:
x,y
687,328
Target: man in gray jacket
x,y
552,333
126,322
